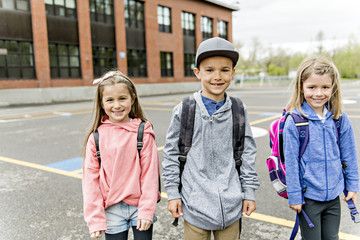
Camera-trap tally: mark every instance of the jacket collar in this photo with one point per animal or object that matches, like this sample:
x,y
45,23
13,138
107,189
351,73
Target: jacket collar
x,y
310,113
199,101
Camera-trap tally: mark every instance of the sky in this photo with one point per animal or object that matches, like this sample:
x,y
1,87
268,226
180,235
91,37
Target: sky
x,y
295,24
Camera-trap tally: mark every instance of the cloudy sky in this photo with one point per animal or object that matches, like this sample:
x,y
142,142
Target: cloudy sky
x,y
295,23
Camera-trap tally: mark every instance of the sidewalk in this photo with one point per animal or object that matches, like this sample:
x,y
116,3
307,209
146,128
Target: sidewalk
x,y
16,97
30,96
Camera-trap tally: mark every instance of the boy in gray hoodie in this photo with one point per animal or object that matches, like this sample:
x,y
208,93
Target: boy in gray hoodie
x,y
213,196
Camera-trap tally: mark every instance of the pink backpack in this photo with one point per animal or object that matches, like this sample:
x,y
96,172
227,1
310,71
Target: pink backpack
x,y
276,161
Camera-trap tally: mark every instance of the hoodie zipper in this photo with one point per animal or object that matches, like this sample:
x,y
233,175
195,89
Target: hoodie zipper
x,y
222,212
326,172
221,203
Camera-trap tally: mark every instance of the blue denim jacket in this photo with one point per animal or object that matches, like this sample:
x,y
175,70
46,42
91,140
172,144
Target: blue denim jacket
x,y
319,170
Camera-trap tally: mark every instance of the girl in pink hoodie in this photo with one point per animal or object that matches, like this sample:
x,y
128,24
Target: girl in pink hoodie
x,y
122,190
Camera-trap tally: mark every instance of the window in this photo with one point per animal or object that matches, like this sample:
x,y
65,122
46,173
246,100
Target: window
x,y
102,11
104,59
64,61
62,8
16,60
166,59
134,14
136,61
223,29
188,23
164,19
23,5
189,64
206,27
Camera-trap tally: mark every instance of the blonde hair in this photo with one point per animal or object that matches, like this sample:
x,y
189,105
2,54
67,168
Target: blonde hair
x,y
319,66
111,78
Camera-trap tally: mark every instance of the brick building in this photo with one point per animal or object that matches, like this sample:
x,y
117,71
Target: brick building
x,y
64,43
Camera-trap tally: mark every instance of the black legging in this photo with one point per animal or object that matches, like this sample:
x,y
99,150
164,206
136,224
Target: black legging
x,y
326,218
138,235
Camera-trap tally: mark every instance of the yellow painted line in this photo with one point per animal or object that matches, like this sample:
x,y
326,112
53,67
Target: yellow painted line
x,y
38,166
290,224
266,107
262,112
164,103
77,171
264,120
40,117
282,222
164,195
26,115
81,112
271,219
157,109
346,236
255,216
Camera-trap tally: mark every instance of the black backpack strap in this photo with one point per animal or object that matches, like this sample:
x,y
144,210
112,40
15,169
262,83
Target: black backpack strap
x,y
186,131
140,144
140,135
96,138
238,115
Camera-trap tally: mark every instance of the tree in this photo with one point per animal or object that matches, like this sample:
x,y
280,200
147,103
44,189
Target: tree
x,y
347,59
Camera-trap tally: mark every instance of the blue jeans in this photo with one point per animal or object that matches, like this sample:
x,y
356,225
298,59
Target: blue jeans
x,y
120,216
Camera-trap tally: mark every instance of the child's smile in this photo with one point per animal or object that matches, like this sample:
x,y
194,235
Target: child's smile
x,y
317,91
215,74
116,102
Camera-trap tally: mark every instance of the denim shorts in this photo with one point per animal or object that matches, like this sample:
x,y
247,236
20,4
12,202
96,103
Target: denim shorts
x,y
120,216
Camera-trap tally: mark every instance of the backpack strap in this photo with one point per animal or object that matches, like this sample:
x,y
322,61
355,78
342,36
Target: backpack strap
x,y
297,224
302,125
140,144
96,138
355,215
139,141
185,137
338,127
186,131
238,115
140,135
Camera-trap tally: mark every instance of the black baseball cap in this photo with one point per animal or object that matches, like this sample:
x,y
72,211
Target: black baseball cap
x,y
216,47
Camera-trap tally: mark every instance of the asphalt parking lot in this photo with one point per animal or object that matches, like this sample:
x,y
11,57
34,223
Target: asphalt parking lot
x,y
41,167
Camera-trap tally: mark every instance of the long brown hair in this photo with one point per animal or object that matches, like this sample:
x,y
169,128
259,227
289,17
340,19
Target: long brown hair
x,y
112,78
319,66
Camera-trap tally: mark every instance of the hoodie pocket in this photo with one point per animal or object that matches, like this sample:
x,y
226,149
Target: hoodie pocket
x,y
315,175
335,173
204,207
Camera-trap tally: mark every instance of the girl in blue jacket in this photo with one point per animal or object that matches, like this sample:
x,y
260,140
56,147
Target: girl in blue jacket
x,y
317,179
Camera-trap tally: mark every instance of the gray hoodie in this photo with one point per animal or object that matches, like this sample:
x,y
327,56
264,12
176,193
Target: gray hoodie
x,y
212,191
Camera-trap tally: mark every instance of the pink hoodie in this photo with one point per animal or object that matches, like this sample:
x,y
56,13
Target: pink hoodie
x,y
122,176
